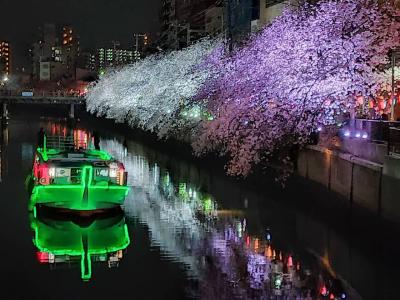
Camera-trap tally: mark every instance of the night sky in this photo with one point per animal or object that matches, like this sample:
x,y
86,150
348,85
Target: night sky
x,y
96,21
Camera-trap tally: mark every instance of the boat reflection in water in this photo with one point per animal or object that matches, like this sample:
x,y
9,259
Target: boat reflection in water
x,y
69,240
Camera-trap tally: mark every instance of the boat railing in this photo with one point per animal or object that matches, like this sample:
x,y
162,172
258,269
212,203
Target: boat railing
x,y
65,143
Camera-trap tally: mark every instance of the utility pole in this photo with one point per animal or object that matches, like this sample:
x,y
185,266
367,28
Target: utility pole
x,y
393,62
188,34
228,5
136,42
174,24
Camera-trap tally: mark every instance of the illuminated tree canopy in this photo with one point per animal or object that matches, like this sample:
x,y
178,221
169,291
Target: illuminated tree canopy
x,y
297,74
269,95
151,94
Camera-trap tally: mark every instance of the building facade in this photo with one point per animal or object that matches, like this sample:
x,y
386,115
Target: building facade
x,y
214,21
183,22
5,58
108,57
58,47
70,50
270,9
238,19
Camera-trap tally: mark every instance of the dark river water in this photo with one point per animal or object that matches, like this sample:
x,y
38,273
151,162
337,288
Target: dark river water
x,y
189,232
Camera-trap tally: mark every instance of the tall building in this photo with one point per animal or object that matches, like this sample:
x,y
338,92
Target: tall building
x,y
87,60
270,9
168,20
239,14
42,48
214,21
70,50
49,40
54,53
183,22
5,58
112,56
141,45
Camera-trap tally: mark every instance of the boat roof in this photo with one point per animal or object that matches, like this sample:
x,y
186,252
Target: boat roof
x,y
69,149
85,155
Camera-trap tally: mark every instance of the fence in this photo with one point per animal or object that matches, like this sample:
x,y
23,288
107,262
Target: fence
x,y
24,93
65,143
394,141
373,130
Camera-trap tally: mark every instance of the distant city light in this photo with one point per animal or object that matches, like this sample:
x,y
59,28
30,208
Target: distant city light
x,y
365,135
347,133
358,135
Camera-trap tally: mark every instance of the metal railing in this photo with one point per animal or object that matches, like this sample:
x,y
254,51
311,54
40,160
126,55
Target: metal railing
x,y
394,141
376,130
30,93
65,143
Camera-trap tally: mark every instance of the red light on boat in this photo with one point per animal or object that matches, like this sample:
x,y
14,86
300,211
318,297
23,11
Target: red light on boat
x,y
42,257
121,174
43,174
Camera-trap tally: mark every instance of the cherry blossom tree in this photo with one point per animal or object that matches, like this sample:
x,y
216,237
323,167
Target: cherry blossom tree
x,y
155,94
298,73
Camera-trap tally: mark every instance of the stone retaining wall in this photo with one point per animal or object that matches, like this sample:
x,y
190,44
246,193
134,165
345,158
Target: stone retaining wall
x,y
373,186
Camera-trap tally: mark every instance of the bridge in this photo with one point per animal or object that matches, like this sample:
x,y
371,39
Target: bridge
x,y
54,98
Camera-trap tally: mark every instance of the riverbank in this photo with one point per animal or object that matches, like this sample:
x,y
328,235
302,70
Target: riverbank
x,y
372,186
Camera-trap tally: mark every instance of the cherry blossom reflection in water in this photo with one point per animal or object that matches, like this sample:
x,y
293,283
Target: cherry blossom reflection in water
x,y
189,227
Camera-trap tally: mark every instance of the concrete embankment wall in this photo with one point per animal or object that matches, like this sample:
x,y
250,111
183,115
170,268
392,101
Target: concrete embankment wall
x,y
373,186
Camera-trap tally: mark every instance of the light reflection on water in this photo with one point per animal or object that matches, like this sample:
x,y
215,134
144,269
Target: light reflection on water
x,y
214,244
232,241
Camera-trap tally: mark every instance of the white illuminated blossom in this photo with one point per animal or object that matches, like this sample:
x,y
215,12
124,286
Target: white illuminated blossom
x,y
154,93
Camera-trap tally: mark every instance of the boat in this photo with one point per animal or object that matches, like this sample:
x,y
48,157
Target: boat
x,y
66,241
70,174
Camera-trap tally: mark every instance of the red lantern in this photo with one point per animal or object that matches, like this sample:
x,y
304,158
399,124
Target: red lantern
x,y
360,100
371,103
382,104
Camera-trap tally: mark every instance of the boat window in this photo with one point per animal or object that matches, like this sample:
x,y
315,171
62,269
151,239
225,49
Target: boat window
x,y
101,172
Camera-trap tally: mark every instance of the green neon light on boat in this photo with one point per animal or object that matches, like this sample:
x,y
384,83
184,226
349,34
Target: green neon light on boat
x,y
62,238
73,195
86,267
